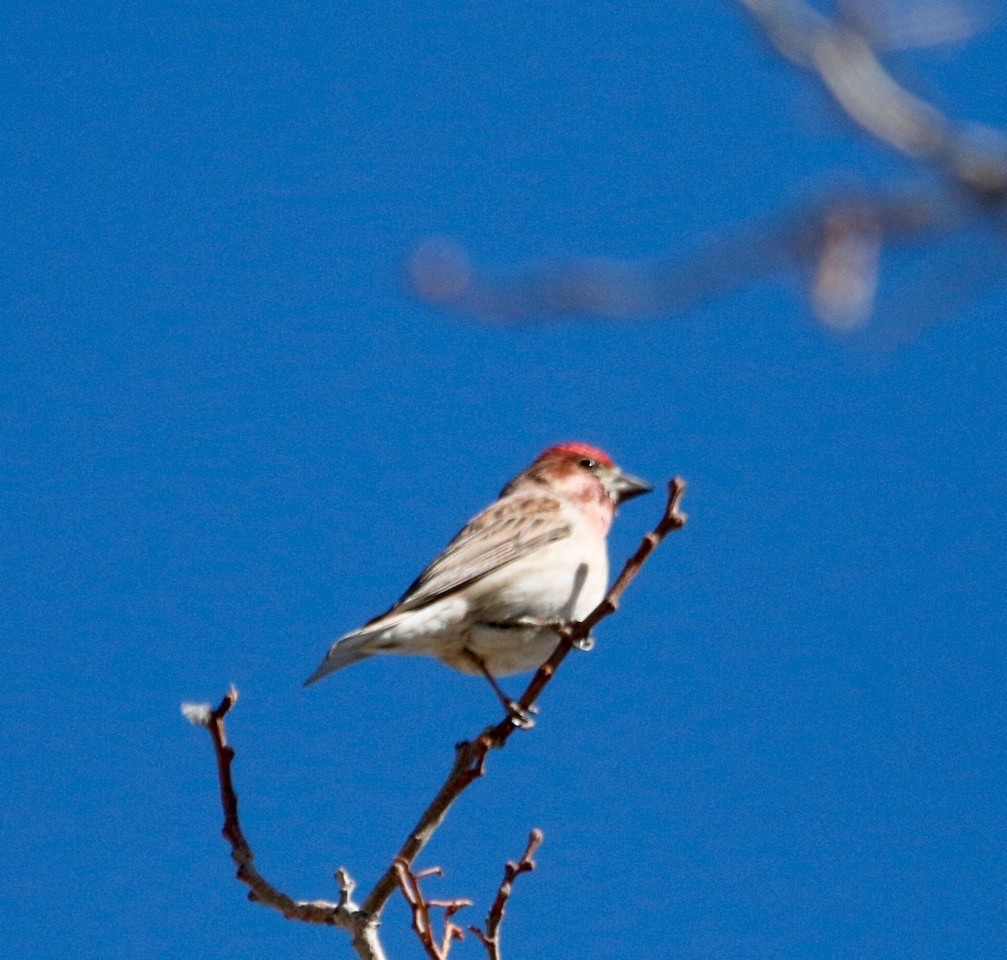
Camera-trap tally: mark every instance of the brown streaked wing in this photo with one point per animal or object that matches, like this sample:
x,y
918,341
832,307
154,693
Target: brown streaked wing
x,y
507,530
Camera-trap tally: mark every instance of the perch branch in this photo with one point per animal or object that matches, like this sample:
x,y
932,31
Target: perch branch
x,y
470,755
490,937
470,759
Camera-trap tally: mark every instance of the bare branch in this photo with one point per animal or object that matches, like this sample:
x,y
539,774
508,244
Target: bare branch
x,y
470,755
440,273
490,937
470,759
344,914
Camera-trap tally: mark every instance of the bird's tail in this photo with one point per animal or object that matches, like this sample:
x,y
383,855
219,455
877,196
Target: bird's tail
x,y
343,653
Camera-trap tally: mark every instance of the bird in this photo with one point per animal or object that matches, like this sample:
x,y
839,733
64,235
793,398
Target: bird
x,y
535,557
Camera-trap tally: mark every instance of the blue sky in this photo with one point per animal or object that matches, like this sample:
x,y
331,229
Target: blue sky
x,y
229,435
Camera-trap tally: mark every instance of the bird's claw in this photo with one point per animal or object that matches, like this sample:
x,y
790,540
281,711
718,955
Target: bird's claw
x,y
520,716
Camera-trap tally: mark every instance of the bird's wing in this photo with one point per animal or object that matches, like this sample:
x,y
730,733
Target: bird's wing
x,y
509,529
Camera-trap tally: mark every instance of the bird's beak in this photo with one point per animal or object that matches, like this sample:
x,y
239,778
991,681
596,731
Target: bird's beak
x,y
625,486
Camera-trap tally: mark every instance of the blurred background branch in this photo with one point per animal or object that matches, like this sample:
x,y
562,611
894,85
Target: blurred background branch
x,y
834,242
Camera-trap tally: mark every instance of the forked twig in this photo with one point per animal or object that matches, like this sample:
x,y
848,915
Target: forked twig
x,y
419,906
344,914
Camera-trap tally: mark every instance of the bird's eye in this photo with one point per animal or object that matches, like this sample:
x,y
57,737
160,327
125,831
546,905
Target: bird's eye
x,y
588,464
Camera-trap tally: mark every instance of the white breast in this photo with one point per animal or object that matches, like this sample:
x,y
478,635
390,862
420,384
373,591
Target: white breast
x,y
565,580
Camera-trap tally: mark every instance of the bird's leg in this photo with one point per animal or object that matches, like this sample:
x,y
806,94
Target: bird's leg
x,y
518,714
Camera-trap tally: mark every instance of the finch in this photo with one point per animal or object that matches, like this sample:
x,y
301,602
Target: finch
x,y
536,556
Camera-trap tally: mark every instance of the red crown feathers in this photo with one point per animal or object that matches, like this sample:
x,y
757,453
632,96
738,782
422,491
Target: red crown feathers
x,y
570,451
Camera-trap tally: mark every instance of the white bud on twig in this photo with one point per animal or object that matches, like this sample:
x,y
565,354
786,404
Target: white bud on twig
x,y
198,714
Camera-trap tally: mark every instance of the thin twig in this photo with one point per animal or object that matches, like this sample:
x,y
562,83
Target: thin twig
x,y
470,755
419,906
490,937
344,914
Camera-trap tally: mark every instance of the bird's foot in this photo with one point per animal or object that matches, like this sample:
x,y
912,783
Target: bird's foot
x,y
520,716
562,627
